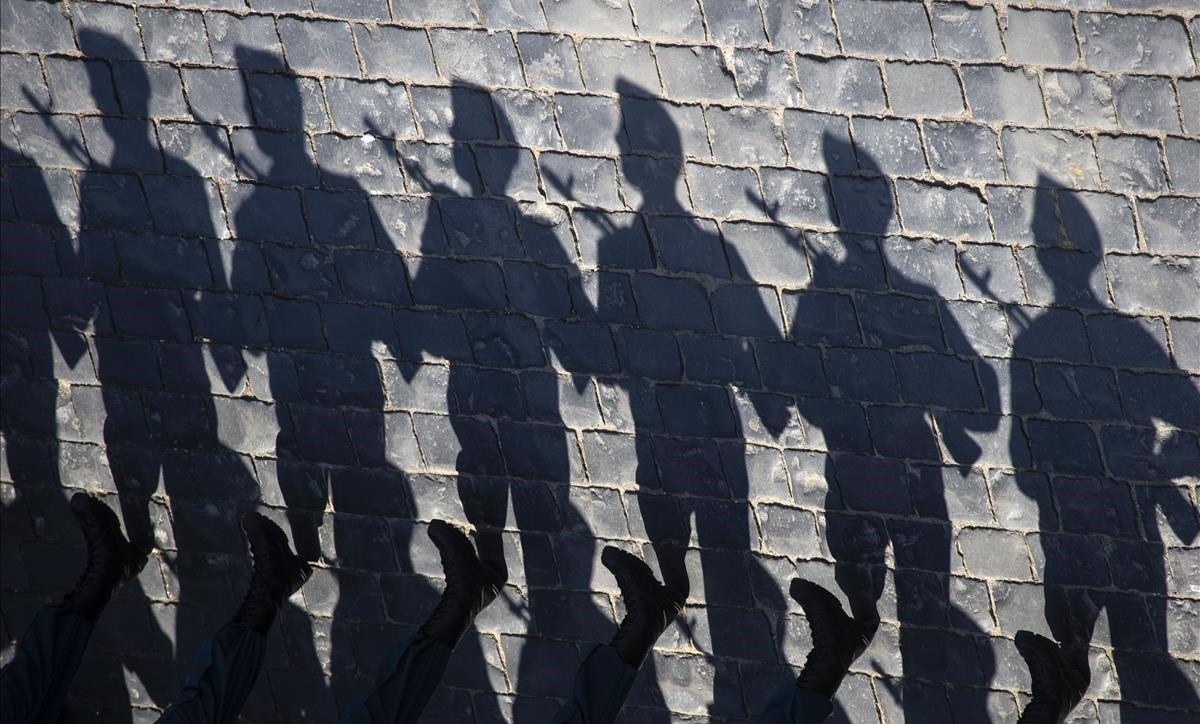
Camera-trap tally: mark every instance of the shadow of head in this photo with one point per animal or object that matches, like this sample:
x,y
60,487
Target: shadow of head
x,y
863,202
647,127
472,109
133,85
1062,228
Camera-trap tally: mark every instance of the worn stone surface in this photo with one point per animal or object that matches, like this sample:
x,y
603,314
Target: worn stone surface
x,y
749,287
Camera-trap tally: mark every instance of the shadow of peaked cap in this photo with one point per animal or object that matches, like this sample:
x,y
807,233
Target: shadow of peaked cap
x,y
645,118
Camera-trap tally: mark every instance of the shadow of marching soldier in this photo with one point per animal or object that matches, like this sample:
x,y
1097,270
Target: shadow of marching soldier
x,y
1099,512
887,341
691,464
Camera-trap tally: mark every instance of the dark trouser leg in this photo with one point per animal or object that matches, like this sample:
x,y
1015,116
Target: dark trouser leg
x,y
33,686
221,678
796,706
405,684
601,685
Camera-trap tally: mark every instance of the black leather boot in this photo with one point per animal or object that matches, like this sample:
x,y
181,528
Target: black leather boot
x,y
277,573
111,560
1057,684
837,638
470,586
649,605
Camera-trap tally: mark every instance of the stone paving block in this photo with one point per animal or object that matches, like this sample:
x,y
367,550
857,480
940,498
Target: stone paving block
x,y
765,77
589,123
1079,99
686,135
36,28
524,14
370,107
376,10
352,164
951,211
455,12
22,74
217,96
592,181
1189,98
745,136
798,197
964,32
228,32
696,73
477,56
137,151
1183,154
1041,269
590,17
105,31
470,118
1146,103
274,99
924,89
996,93
669,19
840,84
804,28
963,150
734,23
895,145
390,52
894,29
1040,157
1039,37
1137,43
722,191
681,248
1163,283
550,61
606,62
81,86
172,35
1131,164
318,46
1095,221
809,137
922,266
528,118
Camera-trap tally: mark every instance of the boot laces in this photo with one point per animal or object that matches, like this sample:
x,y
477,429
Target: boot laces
x,y
98,565
1046,696
261,592
824,659
453,601
634,614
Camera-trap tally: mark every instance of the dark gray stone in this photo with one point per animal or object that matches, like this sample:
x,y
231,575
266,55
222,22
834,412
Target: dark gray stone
x,y
390,52
605,62
996,93
840,84
894,29
174,36
1137,43
924,89
965,32
964,151
1040,37
318,46
696,73
550,61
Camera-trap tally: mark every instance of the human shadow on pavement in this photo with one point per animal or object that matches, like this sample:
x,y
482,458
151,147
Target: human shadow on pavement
x,y
908,382
1112,423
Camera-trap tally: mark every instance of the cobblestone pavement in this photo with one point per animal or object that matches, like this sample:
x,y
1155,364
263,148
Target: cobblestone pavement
x,y
900,296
